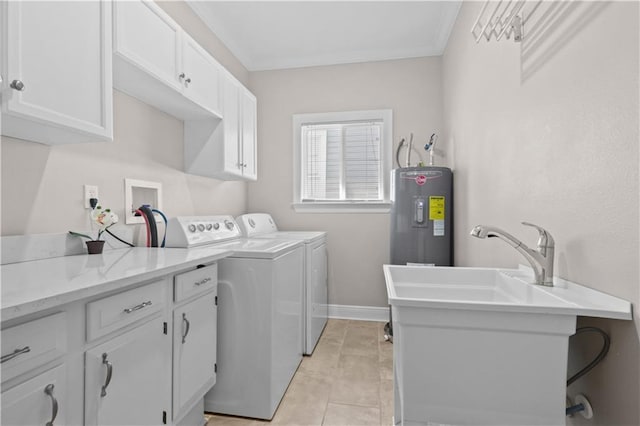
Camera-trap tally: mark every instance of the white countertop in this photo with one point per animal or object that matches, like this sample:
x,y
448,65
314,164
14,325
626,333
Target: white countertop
x,y
28,287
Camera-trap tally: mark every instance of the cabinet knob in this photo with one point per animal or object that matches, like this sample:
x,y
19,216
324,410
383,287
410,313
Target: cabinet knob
x,y
17,85
181,76
54,408
187,81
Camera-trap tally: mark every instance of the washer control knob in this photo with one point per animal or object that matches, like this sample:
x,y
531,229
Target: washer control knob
x,y
192,228
209,227
216,226
228,224
201,227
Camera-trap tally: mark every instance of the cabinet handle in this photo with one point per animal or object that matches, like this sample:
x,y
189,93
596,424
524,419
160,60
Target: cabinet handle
x,y
17,85
14,354
181,76
138,307
54,404
187,325
103,393
187,81
204,281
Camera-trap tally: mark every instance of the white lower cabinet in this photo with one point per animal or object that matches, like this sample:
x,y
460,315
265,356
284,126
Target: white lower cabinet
x,y
37,401
126,378
145,355
194,351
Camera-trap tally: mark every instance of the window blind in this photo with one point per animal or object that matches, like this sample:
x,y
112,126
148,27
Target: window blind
x,y
342,161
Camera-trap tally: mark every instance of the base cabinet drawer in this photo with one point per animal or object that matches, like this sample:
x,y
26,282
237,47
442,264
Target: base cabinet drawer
x,y
37,401
194,282
32,344
114,312
126,380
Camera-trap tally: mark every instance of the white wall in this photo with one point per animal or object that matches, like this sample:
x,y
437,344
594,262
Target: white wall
x,y
42,186
546,131
358,243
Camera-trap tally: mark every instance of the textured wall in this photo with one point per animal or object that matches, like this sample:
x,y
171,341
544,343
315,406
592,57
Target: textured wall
x,y
546,131
358,243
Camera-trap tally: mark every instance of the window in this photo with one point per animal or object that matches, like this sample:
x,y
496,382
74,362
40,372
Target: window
x,y
342,161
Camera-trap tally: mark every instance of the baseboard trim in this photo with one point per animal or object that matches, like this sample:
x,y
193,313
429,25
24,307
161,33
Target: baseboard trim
x,y
359,313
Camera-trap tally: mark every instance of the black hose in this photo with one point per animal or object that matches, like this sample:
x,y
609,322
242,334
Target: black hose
x,y
398,153
152,225
606,343
119,239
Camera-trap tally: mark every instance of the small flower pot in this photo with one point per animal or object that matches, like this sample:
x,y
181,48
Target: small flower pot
x,y
95,247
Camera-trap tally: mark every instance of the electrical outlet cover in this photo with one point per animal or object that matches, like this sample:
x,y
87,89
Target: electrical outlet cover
x,y
90,191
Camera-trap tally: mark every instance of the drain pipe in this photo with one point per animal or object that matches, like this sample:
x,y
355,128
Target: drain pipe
x,y
582,406
409,151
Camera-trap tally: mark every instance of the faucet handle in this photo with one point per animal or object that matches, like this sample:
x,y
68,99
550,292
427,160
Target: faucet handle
x,y
545,240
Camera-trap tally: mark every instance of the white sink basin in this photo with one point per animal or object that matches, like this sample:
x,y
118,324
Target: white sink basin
x,y
478,345
496,290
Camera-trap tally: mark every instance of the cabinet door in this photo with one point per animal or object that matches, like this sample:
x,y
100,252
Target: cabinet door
x,y
194,347
231,122
146,36
201,75
36,401
249,138
57,69
127,379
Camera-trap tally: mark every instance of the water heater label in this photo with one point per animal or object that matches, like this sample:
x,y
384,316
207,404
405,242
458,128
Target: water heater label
x,y
438,228
436,208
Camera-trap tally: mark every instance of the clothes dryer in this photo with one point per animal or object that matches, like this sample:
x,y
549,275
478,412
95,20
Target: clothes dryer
x,y
315,289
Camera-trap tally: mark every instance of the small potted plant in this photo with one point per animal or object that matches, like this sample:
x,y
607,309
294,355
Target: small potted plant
x,y
105,219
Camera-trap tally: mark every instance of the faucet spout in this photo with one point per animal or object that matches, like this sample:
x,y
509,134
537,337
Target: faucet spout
x,y
541,260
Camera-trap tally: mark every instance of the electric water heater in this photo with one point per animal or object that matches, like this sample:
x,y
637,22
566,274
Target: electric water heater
x,y
422,216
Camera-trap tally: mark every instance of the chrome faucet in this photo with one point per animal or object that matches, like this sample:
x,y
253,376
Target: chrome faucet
x,y
541,260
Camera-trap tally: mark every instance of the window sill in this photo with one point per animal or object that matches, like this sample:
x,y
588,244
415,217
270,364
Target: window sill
x,y
319,207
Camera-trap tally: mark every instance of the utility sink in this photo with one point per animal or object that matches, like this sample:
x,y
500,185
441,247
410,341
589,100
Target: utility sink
x,y
496,290
484,346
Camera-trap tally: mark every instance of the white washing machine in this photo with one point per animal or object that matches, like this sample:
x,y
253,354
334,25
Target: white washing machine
x,y
315,292
259,315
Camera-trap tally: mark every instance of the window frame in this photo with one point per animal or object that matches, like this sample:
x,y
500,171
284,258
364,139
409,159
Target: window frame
x,y
345,206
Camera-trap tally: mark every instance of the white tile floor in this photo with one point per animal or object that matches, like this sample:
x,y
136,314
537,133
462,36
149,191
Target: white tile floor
x,y
347,381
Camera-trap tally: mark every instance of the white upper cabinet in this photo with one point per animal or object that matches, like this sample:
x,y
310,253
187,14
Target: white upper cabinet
x,y
56,71
248,128
158,63
231,149
227,151
201,75
145,36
